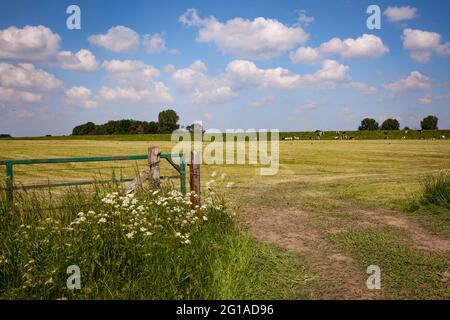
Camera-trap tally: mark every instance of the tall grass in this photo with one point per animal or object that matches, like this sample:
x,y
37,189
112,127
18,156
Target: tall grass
x,y
436,190
151,245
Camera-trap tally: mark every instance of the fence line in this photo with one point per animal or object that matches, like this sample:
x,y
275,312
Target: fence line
x,y
153,157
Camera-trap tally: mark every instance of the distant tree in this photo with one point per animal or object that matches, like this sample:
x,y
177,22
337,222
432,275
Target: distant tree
x,y
390,124
406,128
151,127
84,129
168,121
368,124
429,123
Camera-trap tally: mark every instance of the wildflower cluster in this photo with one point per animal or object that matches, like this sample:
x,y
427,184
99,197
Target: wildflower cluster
x,y
114,232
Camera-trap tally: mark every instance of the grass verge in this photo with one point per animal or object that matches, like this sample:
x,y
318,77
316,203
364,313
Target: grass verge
x,y
149,246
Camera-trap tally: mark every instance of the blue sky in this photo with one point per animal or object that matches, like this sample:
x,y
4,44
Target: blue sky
x,y
231,64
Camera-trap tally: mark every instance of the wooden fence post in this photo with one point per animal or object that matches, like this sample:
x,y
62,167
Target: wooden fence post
x,y
194,177
153,160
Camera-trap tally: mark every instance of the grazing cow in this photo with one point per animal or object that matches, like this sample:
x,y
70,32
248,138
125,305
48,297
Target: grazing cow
x,y
296,138
287,138
442,137
403,137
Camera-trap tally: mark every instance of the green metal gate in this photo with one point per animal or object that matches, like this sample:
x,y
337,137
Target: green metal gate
x,y
10,163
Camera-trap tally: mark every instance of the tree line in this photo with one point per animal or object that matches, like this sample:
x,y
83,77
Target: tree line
x,y
428,123
167,122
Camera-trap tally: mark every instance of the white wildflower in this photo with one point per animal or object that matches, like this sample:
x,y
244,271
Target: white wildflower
x,y
102,220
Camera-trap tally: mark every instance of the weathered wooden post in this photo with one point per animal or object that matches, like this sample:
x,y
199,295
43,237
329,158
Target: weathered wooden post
x,y
194,177
153,160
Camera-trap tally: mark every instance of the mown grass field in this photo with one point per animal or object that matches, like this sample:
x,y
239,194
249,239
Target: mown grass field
x,y
303,135
334,206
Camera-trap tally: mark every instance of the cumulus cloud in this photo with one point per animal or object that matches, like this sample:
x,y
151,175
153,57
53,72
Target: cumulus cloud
x,y
117,39
202,88
364,88
244,73
422,44
24,83
81,96
365,47
40,44
154,43
136,82
260,38
13,95
25,76
395,14
31,43
130,72
83,60
240,75
415,81
158,93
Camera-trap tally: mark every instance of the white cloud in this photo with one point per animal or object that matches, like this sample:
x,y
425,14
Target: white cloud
x,y
395,14
429,99
364,88
261,102
158,93
41,44
242,75
365,47
170,68
154,43
422,44
31,43
131,72
415,81
202,88
136,82
260,38
83,60
117,39
23,83
213,95
25,76
13,95
81,96
305,20
245,73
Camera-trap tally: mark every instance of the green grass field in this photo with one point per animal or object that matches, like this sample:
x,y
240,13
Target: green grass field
x,y
334,206
303,135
